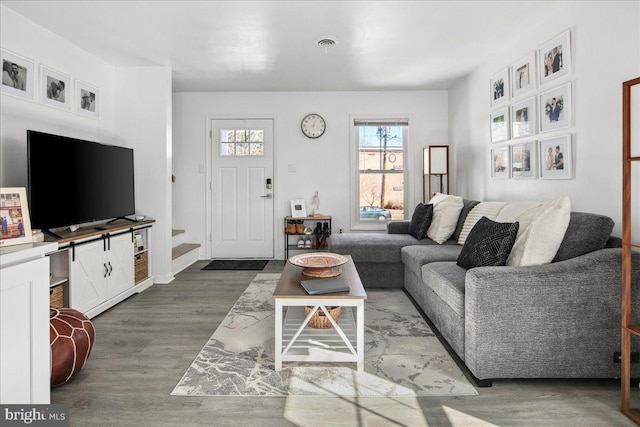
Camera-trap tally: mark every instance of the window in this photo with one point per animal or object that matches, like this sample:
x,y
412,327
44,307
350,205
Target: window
x,y
241,142
380,173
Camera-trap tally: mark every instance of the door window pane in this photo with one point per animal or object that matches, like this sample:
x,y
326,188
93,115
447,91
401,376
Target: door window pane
x,y
242,142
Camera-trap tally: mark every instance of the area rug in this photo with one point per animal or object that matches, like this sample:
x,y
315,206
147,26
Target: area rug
x,y
236,264
403,357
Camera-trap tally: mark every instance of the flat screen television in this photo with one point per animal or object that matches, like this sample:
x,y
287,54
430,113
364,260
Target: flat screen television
x,y
72,181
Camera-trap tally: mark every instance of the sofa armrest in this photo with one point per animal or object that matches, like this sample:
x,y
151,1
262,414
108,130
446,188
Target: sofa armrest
x,y
398,227
554,320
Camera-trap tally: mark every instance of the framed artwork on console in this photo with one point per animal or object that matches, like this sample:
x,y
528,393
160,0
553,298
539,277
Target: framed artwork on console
x,y
523,118
523,75
554,58
298,208
556,158
524,160
555,108
15,222
499,89
87,99
55,88
18,75
500,125
500,162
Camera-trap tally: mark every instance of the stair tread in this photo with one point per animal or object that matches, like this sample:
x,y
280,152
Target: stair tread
x,y
182,249
175,232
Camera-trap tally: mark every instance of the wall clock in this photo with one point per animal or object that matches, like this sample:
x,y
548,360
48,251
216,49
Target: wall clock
x,y
313,125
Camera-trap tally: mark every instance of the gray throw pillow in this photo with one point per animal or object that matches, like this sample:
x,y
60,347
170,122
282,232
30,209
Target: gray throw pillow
x,y
420,221
489,244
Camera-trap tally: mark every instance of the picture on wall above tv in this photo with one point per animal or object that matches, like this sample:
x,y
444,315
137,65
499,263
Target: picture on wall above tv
x,y
73,181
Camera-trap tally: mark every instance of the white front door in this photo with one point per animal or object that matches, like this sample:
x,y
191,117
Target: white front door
x,y
242,188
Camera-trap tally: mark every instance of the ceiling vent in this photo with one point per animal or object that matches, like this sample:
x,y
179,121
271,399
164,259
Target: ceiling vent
x,y
326,42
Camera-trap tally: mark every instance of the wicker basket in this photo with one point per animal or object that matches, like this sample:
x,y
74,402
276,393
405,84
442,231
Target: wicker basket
x,y
319,320
56,296
140,267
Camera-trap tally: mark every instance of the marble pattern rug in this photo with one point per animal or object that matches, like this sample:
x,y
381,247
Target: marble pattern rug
x,y
402,355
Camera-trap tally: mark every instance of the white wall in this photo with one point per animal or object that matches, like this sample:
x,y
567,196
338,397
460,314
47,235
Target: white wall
x,y
28,39
606,52
322,164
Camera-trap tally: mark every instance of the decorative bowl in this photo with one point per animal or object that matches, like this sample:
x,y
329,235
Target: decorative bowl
x,y
319,264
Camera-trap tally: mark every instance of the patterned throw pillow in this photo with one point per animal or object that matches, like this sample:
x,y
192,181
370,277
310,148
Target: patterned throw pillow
x,y
420,221
489,244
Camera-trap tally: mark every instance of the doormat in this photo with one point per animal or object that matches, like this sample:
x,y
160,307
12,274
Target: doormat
x,y
236,264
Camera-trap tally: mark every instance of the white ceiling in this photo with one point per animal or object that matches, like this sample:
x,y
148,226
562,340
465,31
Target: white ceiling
x,y
270,45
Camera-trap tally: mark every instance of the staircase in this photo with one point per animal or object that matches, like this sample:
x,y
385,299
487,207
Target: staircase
x,y
183,254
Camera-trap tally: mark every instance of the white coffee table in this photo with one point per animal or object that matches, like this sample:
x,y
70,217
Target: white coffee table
x,y
298,342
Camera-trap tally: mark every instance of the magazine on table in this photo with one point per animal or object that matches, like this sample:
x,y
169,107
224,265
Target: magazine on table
x,y
324,286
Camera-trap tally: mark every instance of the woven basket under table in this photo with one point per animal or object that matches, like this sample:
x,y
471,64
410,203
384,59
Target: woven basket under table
x,y
319,320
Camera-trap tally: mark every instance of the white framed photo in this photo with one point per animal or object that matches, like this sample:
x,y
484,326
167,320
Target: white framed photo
x,y
556,158
18,75
15,223
55,88
298,208
499,87
500,162
554,58
523,75
87,99
523,118
500,125
524,160
555,108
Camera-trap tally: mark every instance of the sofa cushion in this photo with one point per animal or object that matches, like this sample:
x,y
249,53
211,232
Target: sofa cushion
x,y
446,279
420,221
586,233
489,244
446,211
468,205
414,257
487,209
373,247
539,242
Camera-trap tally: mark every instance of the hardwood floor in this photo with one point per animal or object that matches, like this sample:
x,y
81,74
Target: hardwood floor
x,y
145,344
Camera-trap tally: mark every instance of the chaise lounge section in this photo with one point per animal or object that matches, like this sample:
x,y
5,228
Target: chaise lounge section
x,y
556,320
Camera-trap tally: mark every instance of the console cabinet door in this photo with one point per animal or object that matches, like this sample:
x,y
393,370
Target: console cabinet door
x,y
120,263
87,277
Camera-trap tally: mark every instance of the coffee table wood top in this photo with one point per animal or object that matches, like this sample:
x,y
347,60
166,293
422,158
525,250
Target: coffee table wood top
x,y
289,283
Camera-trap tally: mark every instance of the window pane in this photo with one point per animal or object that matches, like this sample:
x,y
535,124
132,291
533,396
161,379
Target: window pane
x,y
256,135
380,148
227,135
242,135
256,149
227,149
242,149
381,196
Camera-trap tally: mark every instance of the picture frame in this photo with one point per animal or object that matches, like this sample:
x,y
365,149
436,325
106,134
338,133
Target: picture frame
x,y
15,222
554,58
55,88
556,158
499,87
555,108
499,123
87,99
298,208
500,160
18,75
524,160
524,75
523,118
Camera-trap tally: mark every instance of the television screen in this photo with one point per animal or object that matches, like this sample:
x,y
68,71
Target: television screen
x,y
72,181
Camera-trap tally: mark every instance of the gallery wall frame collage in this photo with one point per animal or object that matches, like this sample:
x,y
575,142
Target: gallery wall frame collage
x,y
531,101
22,79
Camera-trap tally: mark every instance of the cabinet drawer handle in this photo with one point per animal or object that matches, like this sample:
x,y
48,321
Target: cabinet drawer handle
x,y
106,270
110,268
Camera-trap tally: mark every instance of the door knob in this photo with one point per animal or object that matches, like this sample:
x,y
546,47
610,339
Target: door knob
x,y
267,196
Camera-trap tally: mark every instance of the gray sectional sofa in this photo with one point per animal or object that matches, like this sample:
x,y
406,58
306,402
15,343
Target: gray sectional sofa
x,y
559,320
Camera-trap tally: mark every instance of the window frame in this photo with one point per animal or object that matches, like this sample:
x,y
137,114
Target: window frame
x,y
354,205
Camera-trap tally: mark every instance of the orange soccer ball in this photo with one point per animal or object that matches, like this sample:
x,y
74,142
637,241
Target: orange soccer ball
x,y
71,336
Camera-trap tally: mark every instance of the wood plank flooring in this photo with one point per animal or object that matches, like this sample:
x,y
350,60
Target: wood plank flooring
x,y
145,344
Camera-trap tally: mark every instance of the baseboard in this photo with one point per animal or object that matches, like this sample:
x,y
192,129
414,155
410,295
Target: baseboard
x,y
467,373
164,279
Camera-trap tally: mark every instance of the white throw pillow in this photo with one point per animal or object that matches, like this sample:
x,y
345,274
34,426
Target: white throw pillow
x,y
538,241
446,211
488,209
